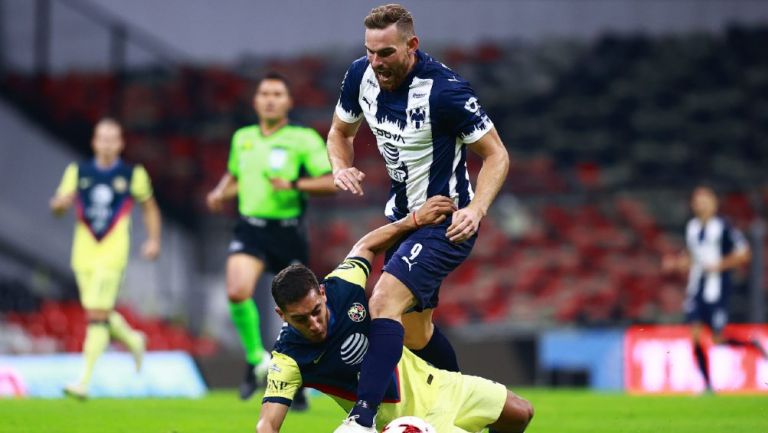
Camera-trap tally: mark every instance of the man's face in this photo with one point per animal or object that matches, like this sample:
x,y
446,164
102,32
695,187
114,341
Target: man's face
x,y
703,202
272,100
309,316
107,141
389,55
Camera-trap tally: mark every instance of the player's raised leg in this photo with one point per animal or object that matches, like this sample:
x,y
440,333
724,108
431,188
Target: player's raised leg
x,y
134,340
389,300
243,272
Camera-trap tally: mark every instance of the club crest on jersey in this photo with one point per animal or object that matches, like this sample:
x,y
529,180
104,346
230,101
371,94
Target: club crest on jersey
x,y
120,184
356,312
417,117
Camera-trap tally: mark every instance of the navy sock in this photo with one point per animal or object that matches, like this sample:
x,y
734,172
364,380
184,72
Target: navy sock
x,y
701,360
439,352
384,351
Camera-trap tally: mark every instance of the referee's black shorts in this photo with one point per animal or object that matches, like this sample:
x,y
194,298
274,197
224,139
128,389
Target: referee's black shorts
x,y
278,243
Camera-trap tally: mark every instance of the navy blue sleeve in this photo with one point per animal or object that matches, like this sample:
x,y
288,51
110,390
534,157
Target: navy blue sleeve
x,y
348,108
459,112
732,240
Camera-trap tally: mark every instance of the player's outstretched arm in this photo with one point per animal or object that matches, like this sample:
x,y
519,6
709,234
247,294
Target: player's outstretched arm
x,y
489,181
271,417
153,223
320,185
434,211
225,190
341,153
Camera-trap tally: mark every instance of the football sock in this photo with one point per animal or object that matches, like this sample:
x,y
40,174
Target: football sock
x,y
439,352
701,360
96,340
384,351
245,317
121,331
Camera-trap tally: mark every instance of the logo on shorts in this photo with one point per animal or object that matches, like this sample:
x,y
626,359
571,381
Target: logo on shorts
x,y
409,263
356,312
235,246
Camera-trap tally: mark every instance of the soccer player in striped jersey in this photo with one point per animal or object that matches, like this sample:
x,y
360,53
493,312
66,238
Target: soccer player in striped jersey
x,y
103,191
424,117
325,339
714,249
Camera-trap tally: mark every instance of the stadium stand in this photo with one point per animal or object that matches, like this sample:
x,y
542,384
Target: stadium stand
x,y
592,127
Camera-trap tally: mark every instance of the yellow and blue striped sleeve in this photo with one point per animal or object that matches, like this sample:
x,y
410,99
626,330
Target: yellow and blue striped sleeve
x,y
355,270
68,183
283,380
141,186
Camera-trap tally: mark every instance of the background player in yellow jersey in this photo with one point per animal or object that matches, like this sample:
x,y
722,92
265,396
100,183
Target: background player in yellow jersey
x,y
272,167
103,191
327,337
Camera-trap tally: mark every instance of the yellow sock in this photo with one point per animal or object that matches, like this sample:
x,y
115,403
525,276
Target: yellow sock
x,y
122,331
96,340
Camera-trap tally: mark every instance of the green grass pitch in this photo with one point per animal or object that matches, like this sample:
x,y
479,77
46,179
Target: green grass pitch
x,y
556,411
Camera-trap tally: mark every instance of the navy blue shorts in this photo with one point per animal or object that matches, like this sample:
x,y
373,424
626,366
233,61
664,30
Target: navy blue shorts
x,y
714,315
422,260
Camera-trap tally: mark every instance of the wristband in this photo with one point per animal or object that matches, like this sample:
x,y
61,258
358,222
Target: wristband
x,y
295,184
414,219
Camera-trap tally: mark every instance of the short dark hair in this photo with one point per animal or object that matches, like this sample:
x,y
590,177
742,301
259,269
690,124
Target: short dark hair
x,y
384,16
272,75
292,284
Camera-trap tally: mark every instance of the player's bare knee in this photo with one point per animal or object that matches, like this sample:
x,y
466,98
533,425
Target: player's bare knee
x,y
515,416
97,315
382,305
416,339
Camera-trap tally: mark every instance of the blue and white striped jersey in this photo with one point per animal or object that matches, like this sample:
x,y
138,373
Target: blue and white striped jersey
x,y
421,130
707,245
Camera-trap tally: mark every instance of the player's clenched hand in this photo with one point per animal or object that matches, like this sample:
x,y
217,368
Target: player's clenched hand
x,y
465,224
435,210
215,200
151,249
349,179
60,203
280,184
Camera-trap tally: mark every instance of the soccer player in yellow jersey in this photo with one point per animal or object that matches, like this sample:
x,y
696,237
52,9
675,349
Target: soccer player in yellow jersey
x,y
103,191
326,338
